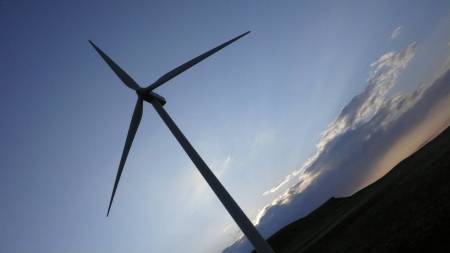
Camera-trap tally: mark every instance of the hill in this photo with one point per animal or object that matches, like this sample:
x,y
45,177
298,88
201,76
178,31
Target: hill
x,y
406,210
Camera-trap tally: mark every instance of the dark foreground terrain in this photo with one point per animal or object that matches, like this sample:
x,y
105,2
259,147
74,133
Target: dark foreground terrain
x,y
408,210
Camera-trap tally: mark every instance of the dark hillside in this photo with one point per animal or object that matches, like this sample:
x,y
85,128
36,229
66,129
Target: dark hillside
x,y
406,210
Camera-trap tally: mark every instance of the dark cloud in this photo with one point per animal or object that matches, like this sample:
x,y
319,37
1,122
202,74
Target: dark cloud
x,y
353,145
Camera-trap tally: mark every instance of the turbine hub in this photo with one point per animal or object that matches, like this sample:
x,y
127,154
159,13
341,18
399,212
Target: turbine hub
x,y
150,95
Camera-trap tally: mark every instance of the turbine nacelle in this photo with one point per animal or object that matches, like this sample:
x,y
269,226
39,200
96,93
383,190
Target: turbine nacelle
x,y
149,96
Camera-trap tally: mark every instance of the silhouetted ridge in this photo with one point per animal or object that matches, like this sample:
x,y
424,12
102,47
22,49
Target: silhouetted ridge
x,y
406,210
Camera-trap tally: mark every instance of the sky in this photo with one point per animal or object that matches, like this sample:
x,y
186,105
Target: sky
x,y
319,100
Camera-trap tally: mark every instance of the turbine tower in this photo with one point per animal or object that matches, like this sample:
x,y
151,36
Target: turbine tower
x,y
147,94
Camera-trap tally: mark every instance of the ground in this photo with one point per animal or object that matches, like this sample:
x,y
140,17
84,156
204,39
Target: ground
x,y
407,210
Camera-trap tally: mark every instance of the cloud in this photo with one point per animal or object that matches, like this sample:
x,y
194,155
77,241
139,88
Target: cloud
x,y
277,187
196,185
223,167
372,133
396,32
362,107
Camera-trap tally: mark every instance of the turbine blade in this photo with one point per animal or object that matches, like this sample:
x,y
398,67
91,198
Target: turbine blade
x,y
126,79
134,124
180,69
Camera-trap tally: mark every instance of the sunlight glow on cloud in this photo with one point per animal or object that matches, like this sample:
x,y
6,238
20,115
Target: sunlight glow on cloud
x,y
303,182
372,133
277,187
362,107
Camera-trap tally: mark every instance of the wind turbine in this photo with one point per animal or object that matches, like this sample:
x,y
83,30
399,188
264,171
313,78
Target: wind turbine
x,y
147,94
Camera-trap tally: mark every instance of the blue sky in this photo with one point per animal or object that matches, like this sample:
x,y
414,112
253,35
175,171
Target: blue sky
x,y
255,112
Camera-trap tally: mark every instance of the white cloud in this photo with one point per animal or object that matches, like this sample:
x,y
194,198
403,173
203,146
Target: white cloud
x,y
396,32
277,187
196,185
361,138
362,107
303,182
223,167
